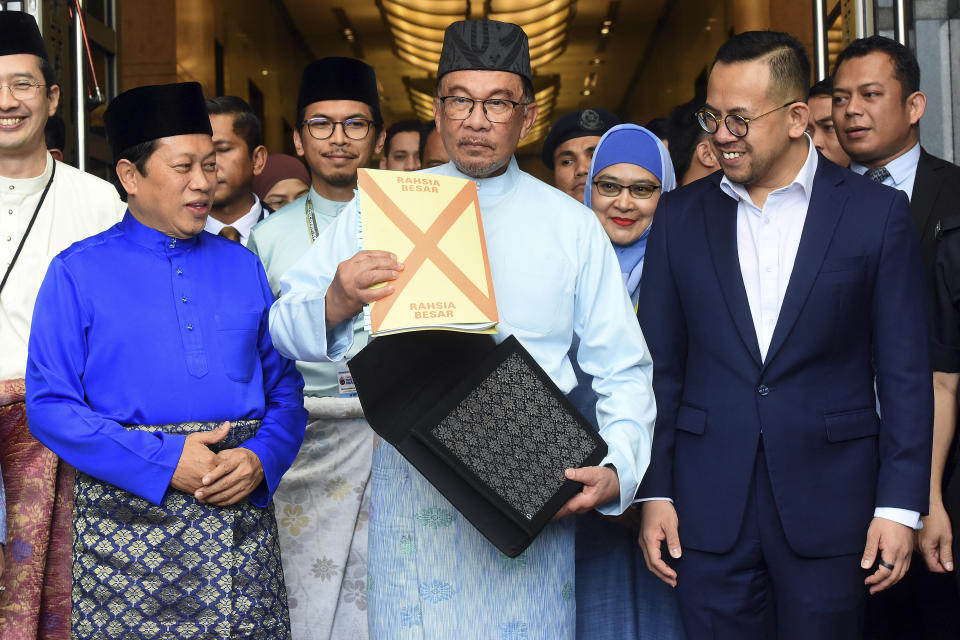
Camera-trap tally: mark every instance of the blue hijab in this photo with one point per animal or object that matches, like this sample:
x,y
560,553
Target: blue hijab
x,y
633,144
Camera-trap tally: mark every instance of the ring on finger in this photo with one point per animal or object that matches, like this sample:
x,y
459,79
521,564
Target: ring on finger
x,y
884,563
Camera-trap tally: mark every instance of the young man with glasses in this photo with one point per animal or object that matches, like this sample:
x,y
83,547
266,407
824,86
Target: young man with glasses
x,y
553,267
322,502
45,206
774,294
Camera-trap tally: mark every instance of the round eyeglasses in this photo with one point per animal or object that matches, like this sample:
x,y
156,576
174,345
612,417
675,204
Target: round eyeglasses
x,y
637,191
496,110
737,125
22,89
323,128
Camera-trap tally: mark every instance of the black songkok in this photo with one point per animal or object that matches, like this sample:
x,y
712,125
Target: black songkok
x,y
340,79
157,111
485,45
19,33
576,124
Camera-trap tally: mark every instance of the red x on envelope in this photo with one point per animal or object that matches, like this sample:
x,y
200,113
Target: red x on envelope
x,y
426,247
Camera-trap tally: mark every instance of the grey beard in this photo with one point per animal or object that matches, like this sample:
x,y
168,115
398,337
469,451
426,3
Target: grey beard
x,y
482,172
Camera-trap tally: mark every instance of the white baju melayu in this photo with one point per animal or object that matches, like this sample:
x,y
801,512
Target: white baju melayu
x,y
432,575
78,205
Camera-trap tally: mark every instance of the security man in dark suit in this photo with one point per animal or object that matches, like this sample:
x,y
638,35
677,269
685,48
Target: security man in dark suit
x,y
877,107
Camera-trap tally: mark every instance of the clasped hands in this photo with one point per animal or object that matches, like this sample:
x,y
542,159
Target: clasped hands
x,y
888,543
220,479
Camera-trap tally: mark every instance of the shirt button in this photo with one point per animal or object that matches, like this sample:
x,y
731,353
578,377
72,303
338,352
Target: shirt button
x,y
179,271
12,187
189,327
183,299
763,390
766,220
10,212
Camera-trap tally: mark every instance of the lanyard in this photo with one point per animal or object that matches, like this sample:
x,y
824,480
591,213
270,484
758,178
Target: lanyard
x,y
311,220
33,219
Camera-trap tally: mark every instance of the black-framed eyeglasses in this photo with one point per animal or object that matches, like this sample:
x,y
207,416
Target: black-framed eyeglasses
x,y
323,128
637,191
23,89
496,110
737,125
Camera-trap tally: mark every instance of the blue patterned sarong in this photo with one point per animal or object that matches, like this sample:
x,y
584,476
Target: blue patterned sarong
x,y
433,576
180,570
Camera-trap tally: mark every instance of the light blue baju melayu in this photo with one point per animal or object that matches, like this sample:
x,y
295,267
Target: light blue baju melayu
x,y
432,575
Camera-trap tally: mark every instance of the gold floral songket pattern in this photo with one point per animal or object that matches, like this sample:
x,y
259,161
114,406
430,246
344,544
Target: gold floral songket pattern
x,y
181,570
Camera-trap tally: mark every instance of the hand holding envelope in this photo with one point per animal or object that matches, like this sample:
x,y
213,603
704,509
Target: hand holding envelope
x,y
351,286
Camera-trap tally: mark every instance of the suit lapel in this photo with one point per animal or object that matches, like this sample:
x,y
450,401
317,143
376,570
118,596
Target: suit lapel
x,y
720,216
823,213
926,186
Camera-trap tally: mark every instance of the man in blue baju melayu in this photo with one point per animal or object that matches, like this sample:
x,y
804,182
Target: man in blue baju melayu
x,y
151,370
432,575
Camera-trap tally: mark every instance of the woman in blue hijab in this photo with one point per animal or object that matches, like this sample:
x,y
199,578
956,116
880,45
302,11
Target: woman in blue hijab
x,y
617,597
629,171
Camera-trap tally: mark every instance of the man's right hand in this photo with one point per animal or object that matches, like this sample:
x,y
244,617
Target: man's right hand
x,y
660,523
197,460
935,539
350,289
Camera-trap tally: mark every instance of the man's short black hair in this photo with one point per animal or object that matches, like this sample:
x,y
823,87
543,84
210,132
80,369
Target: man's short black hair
x,y
822,88
401,126
55,132
788,60
49,75
905,64
138,155
685,135
246,124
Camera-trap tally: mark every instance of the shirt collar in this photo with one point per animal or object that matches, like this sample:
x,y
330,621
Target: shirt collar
x,y
900,168
323,207
243,224
29,186
489,190
803,180
152,239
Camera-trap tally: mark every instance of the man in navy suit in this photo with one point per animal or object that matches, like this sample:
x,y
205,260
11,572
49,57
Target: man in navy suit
x,y
775,293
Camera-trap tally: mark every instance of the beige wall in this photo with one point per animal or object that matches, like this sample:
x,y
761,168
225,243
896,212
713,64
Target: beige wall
x,y
173,41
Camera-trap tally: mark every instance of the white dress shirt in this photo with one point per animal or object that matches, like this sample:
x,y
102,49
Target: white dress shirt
x,y
902,170
78,205
243,224
767,241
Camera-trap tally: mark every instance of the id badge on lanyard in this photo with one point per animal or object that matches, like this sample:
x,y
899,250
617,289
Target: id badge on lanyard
x,y
345,381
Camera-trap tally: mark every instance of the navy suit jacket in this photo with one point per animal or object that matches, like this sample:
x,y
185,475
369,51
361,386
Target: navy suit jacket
x,y
854,309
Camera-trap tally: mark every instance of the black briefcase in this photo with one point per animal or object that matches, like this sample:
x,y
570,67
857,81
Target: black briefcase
x,y
482,422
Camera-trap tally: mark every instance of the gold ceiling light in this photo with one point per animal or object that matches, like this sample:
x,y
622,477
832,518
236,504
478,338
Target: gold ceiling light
x,y
417,26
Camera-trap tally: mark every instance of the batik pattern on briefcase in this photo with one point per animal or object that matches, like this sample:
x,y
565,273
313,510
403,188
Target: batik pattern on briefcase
x,y
180,570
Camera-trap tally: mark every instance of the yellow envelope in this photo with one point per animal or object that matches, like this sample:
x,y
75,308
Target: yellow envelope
x,y
432,223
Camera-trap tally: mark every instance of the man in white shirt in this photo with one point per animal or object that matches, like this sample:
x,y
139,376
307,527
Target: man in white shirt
x,y
774,294
238,141
75,206
45,206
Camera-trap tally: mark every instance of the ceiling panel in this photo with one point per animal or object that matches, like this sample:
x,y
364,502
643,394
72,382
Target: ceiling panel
x,y
320,24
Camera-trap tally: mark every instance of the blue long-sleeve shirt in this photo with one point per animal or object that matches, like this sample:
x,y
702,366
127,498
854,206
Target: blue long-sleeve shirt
x,y
134,327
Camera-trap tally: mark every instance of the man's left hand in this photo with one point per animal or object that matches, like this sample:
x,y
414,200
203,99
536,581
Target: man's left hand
x,y
892,543
238,472
600,485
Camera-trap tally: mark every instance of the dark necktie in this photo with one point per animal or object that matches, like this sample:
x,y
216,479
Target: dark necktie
x,y
230,233
878,174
